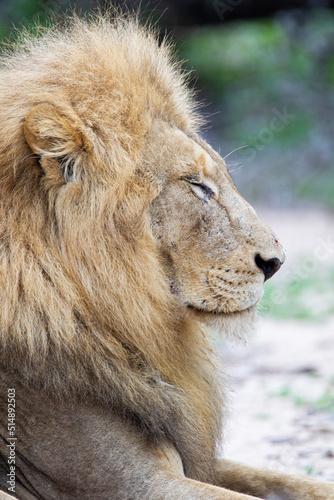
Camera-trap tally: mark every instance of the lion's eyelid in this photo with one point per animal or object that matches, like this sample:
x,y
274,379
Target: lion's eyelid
x,y
202,189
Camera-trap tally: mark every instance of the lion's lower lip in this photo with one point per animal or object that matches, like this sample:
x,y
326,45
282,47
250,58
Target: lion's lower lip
x,y
198,309
215,312
206,310
195,308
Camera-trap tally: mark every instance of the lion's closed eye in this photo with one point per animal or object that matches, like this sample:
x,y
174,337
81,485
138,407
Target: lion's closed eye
x,y
203,190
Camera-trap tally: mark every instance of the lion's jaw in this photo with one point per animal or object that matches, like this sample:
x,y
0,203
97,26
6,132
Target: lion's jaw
x,y
207,234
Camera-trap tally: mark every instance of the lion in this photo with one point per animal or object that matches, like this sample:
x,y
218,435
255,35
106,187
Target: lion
x,y
122,238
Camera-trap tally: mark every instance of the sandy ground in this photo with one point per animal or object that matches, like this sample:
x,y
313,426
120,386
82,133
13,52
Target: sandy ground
x,y
283,379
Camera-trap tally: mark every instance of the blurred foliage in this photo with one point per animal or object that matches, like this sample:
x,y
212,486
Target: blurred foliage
x,y
272,83
16,14
324,402
171,13
310,298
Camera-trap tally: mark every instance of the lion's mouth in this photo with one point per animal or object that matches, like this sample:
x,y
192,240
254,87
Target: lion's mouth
x,y
201,310
216,312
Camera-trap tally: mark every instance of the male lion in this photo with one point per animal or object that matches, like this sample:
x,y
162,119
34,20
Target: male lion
x,y
121,233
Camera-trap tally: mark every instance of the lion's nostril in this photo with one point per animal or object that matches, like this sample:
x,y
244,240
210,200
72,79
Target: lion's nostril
x,y
268,267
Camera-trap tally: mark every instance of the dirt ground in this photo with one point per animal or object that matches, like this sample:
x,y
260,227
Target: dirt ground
x,y
282,380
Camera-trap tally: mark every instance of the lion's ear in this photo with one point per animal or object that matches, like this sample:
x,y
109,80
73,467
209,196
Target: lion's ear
x,y
54,137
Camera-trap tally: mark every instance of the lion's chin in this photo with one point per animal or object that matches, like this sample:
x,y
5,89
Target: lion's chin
x,y
238,325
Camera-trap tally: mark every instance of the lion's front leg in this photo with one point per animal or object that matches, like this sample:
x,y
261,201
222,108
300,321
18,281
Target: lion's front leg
x,y
167,486
271,485
169,483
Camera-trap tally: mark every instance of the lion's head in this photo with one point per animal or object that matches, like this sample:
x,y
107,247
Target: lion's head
x,y
136,142
217,252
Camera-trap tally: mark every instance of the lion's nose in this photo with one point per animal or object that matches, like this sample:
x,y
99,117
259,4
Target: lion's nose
x,y
268,267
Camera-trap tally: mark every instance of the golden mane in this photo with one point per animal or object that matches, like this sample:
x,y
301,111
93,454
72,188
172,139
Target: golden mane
x,y
86,308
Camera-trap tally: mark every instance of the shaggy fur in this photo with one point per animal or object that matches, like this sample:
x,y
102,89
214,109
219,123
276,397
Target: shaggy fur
x,y
107,260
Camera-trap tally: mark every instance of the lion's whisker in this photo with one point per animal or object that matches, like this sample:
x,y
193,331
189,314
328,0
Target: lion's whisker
x,y
234,150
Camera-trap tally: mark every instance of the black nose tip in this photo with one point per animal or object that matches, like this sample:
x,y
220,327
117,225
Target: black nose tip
x,y
269,267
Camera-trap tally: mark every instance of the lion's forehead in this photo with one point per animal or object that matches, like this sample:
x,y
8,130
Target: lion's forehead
x,y
189,157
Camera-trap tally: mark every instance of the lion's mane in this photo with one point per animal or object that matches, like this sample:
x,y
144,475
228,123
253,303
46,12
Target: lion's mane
x,y
86,309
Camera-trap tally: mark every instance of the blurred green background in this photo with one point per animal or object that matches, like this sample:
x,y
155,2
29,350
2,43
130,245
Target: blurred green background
x,y
272,80
264,72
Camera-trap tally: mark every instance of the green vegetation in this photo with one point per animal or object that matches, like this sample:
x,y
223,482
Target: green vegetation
x,y
310,298
310,471
323,403
286,391
326,401
20,13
